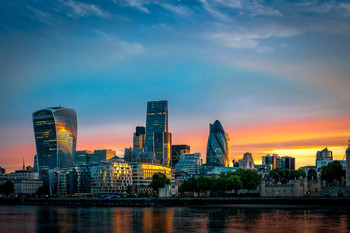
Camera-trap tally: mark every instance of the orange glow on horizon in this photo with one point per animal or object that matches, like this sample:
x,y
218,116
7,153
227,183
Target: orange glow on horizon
x,y
300,138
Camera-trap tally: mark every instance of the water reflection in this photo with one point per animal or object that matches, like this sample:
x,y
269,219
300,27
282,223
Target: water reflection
x,y
195,219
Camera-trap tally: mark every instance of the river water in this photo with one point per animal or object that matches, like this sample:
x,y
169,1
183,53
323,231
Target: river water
x,y
235,218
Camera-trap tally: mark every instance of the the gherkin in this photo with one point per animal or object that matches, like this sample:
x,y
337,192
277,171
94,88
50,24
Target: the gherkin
x,y
218,148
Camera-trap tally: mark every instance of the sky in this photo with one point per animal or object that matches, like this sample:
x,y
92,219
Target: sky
x,y
275,73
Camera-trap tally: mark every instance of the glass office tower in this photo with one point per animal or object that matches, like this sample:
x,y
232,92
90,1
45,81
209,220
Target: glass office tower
x,y
55,132
218,147
158,139
139,137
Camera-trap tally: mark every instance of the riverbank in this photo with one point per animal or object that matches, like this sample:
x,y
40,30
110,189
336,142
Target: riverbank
x,y
180,201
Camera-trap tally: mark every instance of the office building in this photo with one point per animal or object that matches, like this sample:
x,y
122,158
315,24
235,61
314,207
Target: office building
x,y
110,178
139,137
323,157
103,155
272,160
143,173
177,151
287,162
347,154
247,161
138,155
158,139
55,131
189,164
35,165
218,146
83,157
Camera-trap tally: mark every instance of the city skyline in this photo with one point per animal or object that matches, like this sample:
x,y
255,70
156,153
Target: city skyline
x,y
257,156
275,73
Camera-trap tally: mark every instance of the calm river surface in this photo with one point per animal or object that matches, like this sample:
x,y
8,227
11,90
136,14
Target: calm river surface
x,y
235,218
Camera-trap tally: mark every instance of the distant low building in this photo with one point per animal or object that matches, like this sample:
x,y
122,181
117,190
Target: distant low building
x,y
2,170
208,169
263,169
189,164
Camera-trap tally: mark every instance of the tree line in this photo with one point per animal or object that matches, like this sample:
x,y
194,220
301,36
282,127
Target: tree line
x,y
219,185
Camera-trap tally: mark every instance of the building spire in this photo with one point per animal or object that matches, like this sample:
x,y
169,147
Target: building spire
x,y
24,166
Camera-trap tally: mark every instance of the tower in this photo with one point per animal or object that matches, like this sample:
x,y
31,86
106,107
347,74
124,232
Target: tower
x,y
55,132
158,139
348,165
218,145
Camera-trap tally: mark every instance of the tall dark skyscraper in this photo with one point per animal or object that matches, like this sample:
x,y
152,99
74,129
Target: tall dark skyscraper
x,y
158,139
218,148
55,132
139,137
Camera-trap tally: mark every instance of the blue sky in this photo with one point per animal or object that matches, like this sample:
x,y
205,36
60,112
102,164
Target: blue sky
x,y
242,62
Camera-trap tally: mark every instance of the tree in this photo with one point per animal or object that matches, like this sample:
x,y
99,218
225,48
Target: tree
x,y
219,184
159,180
7,188
250,178
293,174
203,184
301,173
333,171
312,174
233,182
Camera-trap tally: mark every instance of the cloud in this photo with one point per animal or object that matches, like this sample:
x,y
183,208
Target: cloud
x,y
251,38
250,7
79,9
176,9
138,4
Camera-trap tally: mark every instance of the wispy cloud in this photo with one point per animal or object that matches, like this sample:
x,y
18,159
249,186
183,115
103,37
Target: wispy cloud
x,y
250,7
240,38
138,4
79,9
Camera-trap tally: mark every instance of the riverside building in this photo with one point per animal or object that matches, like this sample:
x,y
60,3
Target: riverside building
x,y
142,173
110,177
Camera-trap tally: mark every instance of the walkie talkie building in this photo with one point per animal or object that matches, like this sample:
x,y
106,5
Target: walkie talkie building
x,y
55,132
218,148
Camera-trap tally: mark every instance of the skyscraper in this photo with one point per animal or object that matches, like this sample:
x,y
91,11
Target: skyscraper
x,y
273,161
347,154
55,132
158,139
218,147
139,137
